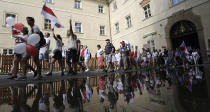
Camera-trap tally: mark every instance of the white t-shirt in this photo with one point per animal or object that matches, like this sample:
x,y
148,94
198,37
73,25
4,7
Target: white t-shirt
x,y
72,44
36,30
117,55
45,48
58,45
99,53
154,54
64,51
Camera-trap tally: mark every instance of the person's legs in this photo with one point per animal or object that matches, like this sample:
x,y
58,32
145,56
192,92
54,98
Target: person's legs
x,y
86,64
15,67
61,66
38,65
74,61
51,67
68,61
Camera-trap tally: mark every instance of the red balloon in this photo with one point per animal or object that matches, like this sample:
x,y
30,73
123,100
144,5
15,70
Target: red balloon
x,y
31,50
18,26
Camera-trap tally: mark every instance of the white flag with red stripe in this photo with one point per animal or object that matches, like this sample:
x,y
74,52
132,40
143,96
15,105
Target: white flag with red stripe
x,y
49,14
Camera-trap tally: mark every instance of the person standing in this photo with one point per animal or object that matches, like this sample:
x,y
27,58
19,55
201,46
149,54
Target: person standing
x,y
71,51
17,59
86,57
109,49
124,53
99,56
35,30
44,51
57,51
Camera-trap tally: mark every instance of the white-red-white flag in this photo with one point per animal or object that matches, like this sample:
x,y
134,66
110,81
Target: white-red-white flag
x,y
49,14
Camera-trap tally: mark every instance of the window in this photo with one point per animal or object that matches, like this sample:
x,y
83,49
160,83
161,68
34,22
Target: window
x,y
102,30
147,11
10,51
10,14
174,2
117,27
128,20
49,1
101,9
151,44
77,4
4,51
47,24
115,5
78,27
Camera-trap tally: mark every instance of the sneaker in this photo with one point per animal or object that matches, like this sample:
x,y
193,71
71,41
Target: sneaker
x,y
38,77
12,77
48,74
87,70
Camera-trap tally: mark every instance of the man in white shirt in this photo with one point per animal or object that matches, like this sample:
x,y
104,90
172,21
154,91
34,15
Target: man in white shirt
x,y
44,51
72,51
35,30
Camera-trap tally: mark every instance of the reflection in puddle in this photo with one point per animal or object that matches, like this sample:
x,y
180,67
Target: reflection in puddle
x,y
162,90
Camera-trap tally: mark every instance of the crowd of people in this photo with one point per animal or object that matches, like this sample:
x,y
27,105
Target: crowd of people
x,y
77,55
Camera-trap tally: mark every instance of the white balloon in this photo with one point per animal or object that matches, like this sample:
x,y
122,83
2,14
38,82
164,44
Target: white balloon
x,y
8,26
10,21
20,48
33,39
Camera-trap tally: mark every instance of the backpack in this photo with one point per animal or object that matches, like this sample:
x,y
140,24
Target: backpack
x,y
42,41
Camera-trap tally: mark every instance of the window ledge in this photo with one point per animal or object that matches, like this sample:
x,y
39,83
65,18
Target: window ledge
x,y
101,12
78,8
117,33
147,18
103,35
129,27
79,32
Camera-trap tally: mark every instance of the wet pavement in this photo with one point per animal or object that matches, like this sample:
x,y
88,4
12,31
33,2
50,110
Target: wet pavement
x,y
162,89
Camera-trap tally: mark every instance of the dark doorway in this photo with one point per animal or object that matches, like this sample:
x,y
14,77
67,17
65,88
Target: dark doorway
x,y
184,31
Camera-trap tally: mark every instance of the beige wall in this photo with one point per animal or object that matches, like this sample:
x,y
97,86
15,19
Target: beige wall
x,y
88,15
161,10
91,20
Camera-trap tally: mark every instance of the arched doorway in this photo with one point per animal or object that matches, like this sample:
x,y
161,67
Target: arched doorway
x,y
184,31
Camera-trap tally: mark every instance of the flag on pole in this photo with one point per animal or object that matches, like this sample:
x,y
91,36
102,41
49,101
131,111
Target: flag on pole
x,y
184,47
49,14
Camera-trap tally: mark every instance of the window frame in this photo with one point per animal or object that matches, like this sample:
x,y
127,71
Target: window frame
x,y
49,24
48,1
171,2
76,5
4,17
128,22
102,9
115,7
117,27
75,27
102,30
147,11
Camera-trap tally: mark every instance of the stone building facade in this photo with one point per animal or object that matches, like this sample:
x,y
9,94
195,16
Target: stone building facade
x,y
155,23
